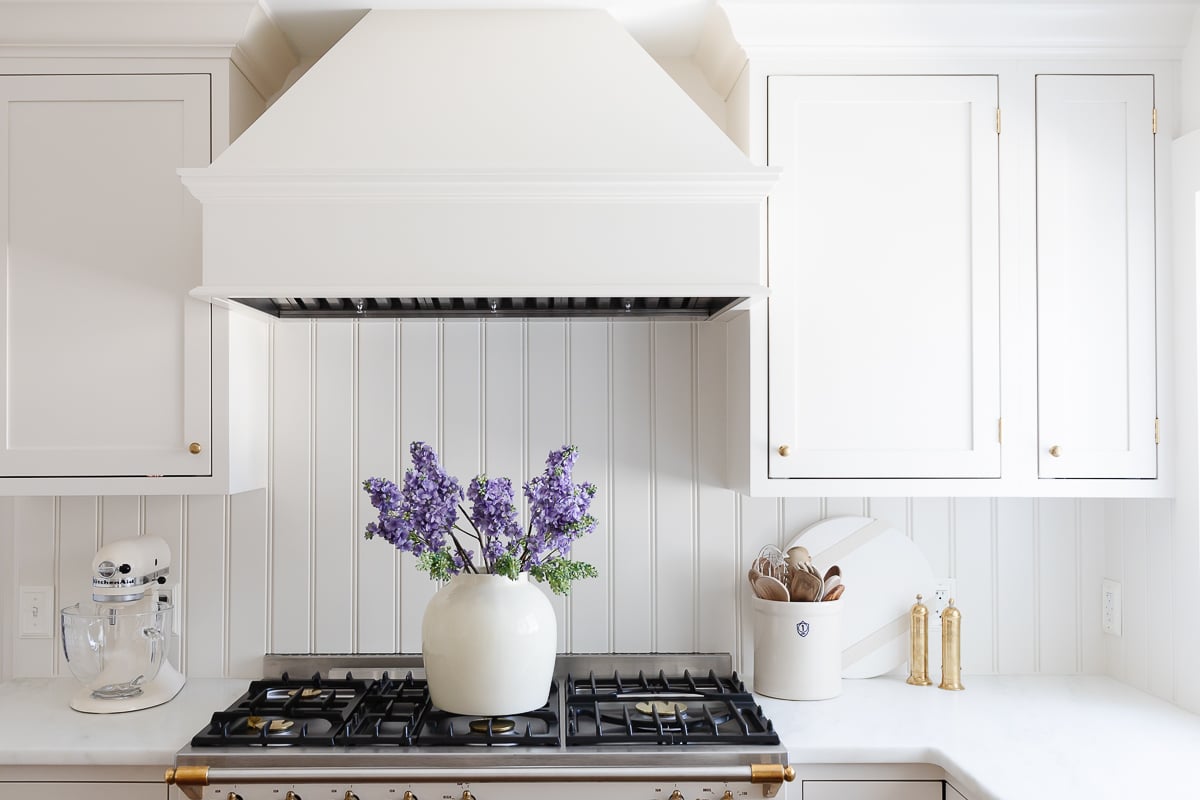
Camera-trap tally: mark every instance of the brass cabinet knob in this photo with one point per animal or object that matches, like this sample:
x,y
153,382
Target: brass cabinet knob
x,y
1056,451
784,450
194,448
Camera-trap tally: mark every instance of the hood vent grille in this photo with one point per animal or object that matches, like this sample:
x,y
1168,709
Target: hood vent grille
x,y
451,307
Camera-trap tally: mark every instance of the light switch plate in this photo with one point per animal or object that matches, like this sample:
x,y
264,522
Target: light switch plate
x,y
1110,607
36,612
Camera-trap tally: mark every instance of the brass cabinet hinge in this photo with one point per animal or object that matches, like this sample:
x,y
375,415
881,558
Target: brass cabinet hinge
x,y
1000,430
1154,120
1156,441
997,120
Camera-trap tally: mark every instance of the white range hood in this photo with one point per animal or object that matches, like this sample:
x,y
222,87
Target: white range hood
x,y
475,162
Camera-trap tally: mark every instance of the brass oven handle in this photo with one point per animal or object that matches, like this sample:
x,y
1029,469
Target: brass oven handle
x,y
769,776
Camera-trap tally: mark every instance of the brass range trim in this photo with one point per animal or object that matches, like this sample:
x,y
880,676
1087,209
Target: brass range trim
x,y
770,776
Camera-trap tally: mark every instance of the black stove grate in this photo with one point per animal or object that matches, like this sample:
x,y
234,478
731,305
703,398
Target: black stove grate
x,y
646,709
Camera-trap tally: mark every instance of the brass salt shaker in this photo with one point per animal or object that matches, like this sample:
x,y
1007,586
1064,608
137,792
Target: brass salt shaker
x,y
951,648
918,640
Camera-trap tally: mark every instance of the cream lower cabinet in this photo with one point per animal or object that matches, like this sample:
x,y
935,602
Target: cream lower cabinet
x,y
91,791
105,359
883,321
872,790
1096,277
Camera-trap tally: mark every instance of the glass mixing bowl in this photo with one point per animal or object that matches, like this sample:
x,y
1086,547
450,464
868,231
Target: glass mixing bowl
x,y
115,648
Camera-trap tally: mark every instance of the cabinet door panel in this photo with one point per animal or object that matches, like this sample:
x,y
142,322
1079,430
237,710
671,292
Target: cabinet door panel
x,y
93,791
106,360
884,272
1096,263
872,790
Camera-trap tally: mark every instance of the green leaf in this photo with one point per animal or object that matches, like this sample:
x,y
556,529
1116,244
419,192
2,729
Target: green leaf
x,y
558,573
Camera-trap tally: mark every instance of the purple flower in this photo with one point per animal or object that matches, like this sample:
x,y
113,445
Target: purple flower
x,y
421,517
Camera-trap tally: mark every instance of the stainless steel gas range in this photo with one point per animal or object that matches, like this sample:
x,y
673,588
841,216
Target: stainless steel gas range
x,y
666,727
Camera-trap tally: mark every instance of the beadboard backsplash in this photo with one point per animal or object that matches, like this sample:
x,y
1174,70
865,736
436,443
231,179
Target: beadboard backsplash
x,y
289,571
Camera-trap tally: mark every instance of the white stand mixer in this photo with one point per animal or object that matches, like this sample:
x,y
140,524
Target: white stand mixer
x,y
117,645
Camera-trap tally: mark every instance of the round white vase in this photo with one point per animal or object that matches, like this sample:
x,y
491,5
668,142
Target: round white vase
x,y
488,643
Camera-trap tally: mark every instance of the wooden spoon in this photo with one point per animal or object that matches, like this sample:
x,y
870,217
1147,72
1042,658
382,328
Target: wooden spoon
x,y
769,588
805,587
834,593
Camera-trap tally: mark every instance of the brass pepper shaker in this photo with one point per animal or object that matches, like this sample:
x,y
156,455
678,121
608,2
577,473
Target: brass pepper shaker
x,y
918,641
951,648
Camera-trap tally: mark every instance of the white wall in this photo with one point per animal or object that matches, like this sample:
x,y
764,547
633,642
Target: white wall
x,y
292,573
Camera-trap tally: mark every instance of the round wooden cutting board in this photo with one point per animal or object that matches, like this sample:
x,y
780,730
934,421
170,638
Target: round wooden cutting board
x,y
883,570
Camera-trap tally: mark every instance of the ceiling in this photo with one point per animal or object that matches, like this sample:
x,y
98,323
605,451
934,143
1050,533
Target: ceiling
x,y
664,27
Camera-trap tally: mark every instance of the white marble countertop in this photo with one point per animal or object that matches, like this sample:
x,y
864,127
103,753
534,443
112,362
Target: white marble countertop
x,y
41,728
1005,737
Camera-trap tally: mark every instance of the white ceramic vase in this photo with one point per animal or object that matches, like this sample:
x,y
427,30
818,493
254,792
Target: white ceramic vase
x,y
488,643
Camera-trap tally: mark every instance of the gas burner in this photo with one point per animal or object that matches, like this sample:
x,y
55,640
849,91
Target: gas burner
x,y
661,707
272,724
492,725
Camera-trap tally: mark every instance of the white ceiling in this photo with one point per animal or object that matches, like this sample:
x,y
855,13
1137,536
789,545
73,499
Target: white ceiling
x,y
663,27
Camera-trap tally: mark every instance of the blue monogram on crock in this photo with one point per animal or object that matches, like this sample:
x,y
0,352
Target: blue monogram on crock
x,y
802,628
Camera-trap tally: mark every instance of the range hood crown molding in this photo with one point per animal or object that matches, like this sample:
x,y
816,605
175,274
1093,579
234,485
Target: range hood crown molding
x,y
476,154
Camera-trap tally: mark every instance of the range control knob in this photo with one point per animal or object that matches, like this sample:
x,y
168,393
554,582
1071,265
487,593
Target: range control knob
x,y
351,795
466,795
408,796
291,796
676,795
234,796
727,796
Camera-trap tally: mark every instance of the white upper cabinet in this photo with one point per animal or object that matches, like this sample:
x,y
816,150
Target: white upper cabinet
x,y
884,317
105,359
1096,277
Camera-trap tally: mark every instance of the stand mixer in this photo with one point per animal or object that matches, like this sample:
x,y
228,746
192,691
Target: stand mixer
x,y
117,644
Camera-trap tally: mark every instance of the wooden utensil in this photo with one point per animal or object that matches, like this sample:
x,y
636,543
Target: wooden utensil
x,y
834,593
770,588
805,587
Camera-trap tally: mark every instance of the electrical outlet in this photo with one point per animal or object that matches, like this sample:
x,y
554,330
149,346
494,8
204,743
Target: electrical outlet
x,y
943,590
1110,607
37,612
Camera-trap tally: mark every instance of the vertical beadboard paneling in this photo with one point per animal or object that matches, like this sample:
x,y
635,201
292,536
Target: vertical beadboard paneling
x,y
1016,604
546,425
120,518
7,598
760,524
291,491
78,540
629,427
1114,555
375,588
895,510
1160,623
798,514
504,402
246,617
335,492
34,549
1090,544
1135,594
163,517
206,587
720,574
590,600
462,400
1054,569
845,507
674,498
931,532
420,386
972,568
